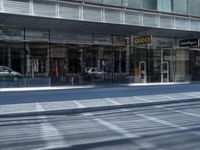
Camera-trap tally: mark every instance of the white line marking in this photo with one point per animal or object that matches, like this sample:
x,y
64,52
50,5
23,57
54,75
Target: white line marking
x,y
142,99
49,133
113,101
162,121
191,95
126,134
117,129
185,113
168,97
182,112
79,105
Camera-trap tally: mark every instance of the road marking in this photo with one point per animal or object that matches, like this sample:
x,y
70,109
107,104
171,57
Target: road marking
x,y
185,113
112,101
168,97
142,99
115,103
179,111
161,121
126,134
116,128
49,133
78,104
191,95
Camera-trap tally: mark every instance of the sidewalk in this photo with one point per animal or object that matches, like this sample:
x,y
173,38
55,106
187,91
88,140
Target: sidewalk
x,y
75,106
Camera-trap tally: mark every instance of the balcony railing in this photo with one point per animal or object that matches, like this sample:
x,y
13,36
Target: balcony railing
x,y
72,10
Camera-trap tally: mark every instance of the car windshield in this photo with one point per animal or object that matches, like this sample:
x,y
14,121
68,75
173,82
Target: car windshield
x,y
6,69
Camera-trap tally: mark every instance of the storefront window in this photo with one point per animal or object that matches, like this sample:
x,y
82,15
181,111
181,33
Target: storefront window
x,y
11,64
195,65
182,65
37,64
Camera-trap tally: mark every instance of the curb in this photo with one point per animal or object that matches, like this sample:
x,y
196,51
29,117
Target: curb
x,y
51,88
93,109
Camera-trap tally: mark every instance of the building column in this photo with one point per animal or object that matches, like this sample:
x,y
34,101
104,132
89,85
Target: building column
x,y
128,56
9,58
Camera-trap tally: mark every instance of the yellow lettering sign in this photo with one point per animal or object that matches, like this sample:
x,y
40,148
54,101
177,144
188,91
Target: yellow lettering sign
x,y
142,40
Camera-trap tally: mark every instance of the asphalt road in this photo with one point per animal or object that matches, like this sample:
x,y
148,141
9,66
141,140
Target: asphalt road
x,y
93,93
158,127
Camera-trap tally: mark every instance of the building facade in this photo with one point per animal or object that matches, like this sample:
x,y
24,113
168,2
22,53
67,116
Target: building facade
x,y
79,42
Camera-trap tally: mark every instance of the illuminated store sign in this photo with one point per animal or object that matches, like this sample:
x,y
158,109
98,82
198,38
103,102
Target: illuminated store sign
x,y
142,40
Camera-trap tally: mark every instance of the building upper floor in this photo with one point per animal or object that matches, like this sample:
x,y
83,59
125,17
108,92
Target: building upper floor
x,y
186,7
166,14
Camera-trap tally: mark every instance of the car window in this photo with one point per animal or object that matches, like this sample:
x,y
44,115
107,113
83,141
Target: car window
x,y
93,70
1,70
6,69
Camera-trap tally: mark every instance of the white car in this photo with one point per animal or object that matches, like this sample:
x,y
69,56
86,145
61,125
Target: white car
x,y
7,73
95,71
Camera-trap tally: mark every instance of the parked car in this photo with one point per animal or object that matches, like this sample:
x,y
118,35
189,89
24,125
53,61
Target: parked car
x,y
7,73
94,72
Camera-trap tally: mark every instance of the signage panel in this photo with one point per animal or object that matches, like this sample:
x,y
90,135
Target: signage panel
x,y
142,40
189,43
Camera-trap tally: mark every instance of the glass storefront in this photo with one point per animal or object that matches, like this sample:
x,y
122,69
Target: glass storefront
x,y
194,64
97,59
85,64
11,64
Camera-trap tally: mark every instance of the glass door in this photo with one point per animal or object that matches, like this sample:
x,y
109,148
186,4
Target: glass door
x,y
195,65
168,65
182,65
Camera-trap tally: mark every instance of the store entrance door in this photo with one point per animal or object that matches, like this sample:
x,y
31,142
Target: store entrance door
x,y
146,65
143,71
194,64
168,65
164,71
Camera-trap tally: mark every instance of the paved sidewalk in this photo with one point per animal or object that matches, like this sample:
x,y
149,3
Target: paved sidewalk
x,y
75,106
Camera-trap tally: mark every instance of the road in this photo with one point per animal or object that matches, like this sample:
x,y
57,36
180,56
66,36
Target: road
x,y
93,93
157,127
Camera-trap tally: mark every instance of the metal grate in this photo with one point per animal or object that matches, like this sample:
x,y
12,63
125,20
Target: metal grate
x,y
113,16
113,2
16,6
92,14
180,6
94,1
195,25
132,18
69,11
149,4
44,8
166,22
181,23
150,20
133,3
164,5
193,7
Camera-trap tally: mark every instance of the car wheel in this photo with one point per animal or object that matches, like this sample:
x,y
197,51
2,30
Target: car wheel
x,y
15,78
